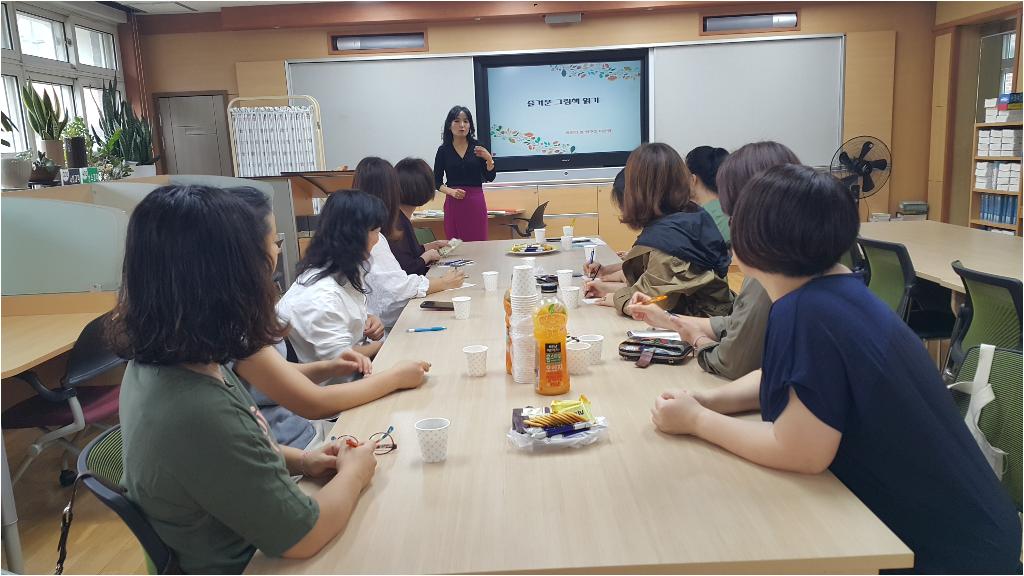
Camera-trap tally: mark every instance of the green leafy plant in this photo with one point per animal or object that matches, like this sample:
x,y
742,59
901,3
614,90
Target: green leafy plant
x,y
43,162
136,140
45,115
78,127
7,126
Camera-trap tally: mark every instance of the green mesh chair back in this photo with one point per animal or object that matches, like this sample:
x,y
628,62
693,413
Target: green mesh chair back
x,y
425,235
891,273
990,315
1000,421
103,458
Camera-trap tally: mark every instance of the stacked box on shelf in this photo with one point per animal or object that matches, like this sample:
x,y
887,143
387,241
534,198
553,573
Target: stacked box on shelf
x,y
1000,142
985,175
1005,108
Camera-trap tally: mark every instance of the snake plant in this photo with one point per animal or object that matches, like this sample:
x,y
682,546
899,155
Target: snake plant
x,y
45,115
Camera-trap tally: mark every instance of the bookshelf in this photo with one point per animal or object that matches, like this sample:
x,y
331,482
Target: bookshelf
x,y
978,195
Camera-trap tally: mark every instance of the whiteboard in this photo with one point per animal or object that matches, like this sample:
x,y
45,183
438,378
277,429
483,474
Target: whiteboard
x,y
717,93
390,108
729,94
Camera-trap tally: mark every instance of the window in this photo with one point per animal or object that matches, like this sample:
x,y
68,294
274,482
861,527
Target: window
x,y
42,37
95,48
12,107
1009,52
8,43
93,105
63,93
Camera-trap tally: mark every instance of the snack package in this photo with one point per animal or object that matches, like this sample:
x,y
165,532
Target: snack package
x,y
444,251
567,423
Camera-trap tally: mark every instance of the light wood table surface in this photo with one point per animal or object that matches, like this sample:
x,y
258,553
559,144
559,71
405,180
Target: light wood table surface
x,y
636,501
28,341
934,245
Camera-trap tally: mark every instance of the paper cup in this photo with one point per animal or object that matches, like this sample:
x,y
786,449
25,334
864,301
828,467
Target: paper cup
x,y
567,231
490,280
461,307
596,341
571,296
588,253
523,281
564,278
476,360
433,437
579,357
540,235
530,261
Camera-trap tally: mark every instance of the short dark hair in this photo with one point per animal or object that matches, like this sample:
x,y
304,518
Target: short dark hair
x,y
446,132
795,221
703,162
376,176
416,181
619,188
657,184
257,201
339,248
196,282
743,164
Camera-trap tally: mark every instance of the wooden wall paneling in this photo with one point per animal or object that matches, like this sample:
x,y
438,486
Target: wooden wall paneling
x,y
263,78
868,98
938,147
568,198
960,134
616,234
69,303
581,225
512,198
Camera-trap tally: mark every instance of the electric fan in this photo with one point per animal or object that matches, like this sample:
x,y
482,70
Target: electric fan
x,y
862,164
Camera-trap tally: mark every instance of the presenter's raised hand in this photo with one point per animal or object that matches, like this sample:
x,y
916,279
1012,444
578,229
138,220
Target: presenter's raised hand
x,y
482,152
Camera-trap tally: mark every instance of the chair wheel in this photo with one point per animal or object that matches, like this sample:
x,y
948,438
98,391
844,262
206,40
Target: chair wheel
x,y
67,477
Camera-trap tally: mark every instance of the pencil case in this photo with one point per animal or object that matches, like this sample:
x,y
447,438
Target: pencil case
x,y
646,351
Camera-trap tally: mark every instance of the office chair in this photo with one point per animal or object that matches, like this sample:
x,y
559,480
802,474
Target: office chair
x,y
64,412
535,222
1000,421
991,315
101,467
893,280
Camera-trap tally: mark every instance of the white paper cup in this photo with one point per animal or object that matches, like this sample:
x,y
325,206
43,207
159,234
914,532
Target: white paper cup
x,y
579,357
490,280
571,296
567,231
523,281
476,360
433,437
588,253
564,278
461,307
540,235
596,341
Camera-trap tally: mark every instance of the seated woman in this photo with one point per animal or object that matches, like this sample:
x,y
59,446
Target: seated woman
x,y
703,163
391,287
847,387
730,346
325,309
196,294
679,253
416,188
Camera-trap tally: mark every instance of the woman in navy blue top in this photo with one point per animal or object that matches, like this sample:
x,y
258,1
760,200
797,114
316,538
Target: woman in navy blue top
x,y
847,386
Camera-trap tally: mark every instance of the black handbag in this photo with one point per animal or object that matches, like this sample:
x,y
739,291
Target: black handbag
x,y
654,350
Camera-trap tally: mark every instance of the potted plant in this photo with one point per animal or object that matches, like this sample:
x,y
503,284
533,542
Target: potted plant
x,y
16,167
77,143
47,119
44,170
136,141
111,166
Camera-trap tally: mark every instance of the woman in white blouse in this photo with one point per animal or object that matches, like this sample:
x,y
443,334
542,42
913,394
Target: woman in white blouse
x,y
390,287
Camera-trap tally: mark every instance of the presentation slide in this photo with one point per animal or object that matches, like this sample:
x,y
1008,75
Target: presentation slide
x,y
564,108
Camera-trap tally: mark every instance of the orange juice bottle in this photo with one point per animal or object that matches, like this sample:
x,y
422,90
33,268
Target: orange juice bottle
x,y
549,329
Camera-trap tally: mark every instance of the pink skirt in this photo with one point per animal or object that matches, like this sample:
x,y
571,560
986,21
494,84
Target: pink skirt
x,y
466,219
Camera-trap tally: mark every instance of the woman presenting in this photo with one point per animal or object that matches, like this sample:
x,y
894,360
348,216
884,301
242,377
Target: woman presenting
x,y
460,169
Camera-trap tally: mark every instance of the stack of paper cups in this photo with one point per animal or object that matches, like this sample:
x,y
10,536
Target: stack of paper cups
x,y
524,299
523,281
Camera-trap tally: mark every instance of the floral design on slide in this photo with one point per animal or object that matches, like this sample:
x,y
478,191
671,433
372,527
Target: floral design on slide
x,y
531,141
610,72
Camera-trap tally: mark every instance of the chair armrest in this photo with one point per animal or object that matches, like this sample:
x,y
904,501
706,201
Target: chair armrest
x,y
58,395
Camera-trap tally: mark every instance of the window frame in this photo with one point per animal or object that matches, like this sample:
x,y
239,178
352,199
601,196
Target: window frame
x,y
26,68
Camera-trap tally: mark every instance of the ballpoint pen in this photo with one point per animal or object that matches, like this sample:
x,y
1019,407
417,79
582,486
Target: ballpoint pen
x,y
430,329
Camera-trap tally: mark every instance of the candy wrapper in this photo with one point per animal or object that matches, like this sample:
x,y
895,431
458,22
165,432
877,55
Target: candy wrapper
x,y
567,423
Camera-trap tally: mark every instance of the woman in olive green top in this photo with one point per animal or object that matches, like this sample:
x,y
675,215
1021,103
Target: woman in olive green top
x,y
199,461
703,162
730,346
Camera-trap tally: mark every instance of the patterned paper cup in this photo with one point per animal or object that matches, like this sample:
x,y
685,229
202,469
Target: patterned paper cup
x,y
433,437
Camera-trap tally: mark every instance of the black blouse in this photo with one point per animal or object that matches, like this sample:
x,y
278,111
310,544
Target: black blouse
x,y
408,250
465,171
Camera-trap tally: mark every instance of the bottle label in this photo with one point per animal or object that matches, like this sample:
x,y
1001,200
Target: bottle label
x,y
553,357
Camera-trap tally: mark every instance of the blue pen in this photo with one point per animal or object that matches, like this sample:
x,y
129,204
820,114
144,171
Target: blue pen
x,y
431,329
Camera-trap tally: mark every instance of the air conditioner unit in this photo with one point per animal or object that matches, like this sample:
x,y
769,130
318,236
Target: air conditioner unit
x,y
570,18
409,41
750,22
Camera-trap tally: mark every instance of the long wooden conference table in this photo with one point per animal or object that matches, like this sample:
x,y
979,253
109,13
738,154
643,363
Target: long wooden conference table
x,y
636,501
934,245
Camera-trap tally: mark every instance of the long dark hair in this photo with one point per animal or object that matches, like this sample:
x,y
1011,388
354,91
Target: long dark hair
x,y
446,133
196,283
376,176
339,248
703,162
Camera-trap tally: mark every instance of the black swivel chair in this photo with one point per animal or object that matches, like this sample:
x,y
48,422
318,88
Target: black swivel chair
x,y
535,222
